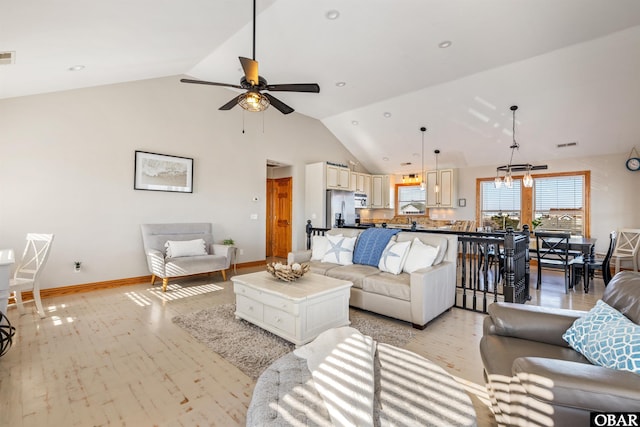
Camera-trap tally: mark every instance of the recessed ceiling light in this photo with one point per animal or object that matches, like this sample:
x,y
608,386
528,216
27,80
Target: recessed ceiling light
x,y
355,123
386,159
76,68
444,44
416,154
332,14
341,84
387,114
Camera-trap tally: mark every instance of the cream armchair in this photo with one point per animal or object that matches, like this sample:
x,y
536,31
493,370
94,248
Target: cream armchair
x,y
193,256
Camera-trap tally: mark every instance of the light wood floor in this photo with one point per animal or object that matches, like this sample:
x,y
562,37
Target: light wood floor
x,y
113,357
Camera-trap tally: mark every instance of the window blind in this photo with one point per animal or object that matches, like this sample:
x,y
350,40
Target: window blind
x,y
501,199
562,193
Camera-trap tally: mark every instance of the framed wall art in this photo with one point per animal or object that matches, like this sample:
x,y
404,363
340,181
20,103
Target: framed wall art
x,y
161,172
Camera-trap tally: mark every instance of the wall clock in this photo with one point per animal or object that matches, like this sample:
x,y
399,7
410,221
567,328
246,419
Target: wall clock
x,y
633,163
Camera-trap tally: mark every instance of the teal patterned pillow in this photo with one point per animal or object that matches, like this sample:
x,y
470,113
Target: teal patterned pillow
x,y
607,338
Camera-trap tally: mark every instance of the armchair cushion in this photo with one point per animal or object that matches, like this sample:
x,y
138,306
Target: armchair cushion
x,y
180,248
607,338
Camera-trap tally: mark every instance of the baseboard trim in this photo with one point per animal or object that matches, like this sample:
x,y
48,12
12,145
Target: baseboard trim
x,y
88,287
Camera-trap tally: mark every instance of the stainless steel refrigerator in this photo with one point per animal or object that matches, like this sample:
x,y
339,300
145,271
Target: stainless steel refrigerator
x,y
341,208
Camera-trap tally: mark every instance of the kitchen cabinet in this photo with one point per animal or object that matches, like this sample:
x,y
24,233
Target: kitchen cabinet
x,y
360,182
382,192
338,177
446,197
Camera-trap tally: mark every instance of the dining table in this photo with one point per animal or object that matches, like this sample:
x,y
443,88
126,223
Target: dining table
x,y
586,246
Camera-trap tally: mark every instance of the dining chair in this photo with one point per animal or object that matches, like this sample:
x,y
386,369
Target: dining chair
x,y
585,266
552,250
627,247
28,270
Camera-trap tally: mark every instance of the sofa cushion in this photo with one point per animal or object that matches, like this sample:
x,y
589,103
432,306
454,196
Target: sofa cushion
x,y
321,268
437,241
498,353
354,273
607,338
420,256
182,248
394,256
371,243
390,285
319,247
340,250
623,294
184,266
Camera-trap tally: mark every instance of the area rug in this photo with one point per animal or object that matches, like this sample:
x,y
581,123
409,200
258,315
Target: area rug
x,y
252,349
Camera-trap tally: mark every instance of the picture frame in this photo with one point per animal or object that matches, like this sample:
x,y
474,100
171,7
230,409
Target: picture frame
x,y
162,172
462,203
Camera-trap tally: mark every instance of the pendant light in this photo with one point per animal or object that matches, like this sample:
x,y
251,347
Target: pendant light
x,y
436,188
423,184
527,180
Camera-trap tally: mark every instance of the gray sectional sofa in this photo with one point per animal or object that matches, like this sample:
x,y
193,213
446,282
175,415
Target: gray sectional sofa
x,y
417,297
535,378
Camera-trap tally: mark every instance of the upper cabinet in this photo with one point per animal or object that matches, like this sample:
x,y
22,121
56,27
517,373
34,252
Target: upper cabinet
x,y
361,182
338,177
382,191
446,181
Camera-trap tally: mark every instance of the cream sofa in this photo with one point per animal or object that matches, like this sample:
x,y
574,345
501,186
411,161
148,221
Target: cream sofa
x,y
155,236
418,297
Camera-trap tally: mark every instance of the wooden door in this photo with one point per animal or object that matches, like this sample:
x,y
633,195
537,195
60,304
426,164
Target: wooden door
x,y
279,217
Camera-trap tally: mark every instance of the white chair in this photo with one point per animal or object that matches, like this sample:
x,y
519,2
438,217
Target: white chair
x,y
28,270
627,247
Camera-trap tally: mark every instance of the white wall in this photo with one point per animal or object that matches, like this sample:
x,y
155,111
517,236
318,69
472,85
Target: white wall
x,y
67,168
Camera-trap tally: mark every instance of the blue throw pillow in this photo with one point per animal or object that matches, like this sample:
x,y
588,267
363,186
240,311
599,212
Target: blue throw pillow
x,y
606,338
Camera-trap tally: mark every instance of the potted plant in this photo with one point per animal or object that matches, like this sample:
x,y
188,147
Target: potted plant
x,y
228,242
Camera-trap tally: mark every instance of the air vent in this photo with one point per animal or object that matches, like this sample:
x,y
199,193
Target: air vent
x,y
568,144
7,58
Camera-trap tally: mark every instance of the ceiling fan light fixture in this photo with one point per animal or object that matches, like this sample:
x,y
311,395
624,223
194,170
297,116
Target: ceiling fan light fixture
x,y
253,101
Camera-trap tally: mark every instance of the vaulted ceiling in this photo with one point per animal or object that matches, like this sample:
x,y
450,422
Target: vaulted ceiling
x,y
572,67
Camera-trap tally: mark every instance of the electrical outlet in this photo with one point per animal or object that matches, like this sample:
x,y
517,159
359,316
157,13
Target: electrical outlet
x,y
240,251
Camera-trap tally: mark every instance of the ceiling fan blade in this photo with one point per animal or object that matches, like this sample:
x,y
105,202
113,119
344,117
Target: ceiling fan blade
x,y
250,68
229,105
202,82
295,87
279,105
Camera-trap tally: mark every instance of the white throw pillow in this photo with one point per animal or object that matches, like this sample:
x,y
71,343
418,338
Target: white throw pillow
x,y
340,250
394,256
319,247
420,256
178,248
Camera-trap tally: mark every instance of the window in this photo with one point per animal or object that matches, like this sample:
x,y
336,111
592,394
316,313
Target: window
x,y
559,203
500,207
411,200
556,202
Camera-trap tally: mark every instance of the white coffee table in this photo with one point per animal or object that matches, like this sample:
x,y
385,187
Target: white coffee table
x,y
298,311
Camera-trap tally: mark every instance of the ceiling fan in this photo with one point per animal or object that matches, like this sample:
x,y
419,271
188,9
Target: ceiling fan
x,y
253,99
